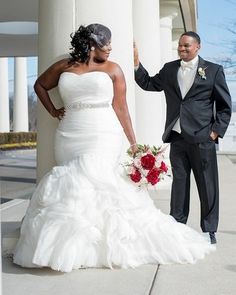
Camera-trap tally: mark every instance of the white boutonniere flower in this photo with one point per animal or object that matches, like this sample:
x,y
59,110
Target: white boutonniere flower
x,y
201,73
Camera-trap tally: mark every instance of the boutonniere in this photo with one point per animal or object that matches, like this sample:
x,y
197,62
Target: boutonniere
x,y
202,73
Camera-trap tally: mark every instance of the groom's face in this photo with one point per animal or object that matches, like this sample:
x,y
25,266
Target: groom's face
x,y
188,48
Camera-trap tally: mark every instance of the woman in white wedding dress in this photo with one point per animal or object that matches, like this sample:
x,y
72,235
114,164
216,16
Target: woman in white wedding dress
x,y
84,213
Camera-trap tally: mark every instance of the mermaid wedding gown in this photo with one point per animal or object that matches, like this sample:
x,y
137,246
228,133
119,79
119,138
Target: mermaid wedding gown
x,y
84,213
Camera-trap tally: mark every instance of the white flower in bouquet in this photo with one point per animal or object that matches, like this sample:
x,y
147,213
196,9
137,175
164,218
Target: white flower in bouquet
x,y
146,165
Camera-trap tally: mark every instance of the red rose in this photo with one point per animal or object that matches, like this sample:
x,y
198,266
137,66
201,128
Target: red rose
x,y
148,161
136,176
163,167
153,176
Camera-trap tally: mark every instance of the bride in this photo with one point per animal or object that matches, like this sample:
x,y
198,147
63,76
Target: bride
x,y
84,213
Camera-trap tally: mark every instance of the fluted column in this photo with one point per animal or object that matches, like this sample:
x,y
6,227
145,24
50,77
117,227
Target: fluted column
x,y
4,96
20,106
57,19
150,106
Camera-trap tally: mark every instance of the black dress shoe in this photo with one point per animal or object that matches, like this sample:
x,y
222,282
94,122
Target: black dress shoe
x,y
212,237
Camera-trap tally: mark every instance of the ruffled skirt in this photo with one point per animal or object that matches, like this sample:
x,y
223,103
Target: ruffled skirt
x,y
85,213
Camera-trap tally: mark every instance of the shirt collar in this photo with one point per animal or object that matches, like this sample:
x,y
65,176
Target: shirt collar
x,y
190,64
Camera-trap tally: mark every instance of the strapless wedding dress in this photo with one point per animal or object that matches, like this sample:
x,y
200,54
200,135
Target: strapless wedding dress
x,y
84,212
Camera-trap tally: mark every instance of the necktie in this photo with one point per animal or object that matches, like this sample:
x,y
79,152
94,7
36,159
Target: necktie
x,y
186,64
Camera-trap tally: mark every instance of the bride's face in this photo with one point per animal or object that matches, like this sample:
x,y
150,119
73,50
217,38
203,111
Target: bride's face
x,y
102,53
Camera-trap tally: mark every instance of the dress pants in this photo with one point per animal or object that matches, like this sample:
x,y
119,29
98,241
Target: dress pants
x,y
201,159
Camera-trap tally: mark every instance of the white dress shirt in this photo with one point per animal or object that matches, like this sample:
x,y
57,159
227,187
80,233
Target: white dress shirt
x,y
185,76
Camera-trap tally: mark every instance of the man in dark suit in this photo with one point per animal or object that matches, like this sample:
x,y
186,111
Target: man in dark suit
x,y
198,112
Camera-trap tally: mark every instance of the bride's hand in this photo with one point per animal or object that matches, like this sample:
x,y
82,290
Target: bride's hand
x,y
134,148
58,113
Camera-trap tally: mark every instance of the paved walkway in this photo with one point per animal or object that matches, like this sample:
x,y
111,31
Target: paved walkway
x,y
215,275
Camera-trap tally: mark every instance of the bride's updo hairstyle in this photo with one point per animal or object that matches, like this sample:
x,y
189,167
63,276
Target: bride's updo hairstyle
x,y
85,37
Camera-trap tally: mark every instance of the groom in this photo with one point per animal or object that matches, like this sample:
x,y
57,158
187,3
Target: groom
x,y
198,112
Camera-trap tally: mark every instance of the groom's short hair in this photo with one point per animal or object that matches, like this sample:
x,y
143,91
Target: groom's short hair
x,y
193,35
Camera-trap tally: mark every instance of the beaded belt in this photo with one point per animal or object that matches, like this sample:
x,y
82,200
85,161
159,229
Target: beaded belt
x,y
81,105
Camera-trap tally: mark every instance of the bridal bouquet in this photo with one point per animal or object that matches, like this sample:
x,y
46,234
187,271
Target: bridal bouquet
x,y
147,165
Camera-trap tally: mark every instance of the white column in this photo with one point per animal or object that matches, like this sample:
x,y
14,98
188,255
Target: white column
x,y
4,95
176,33
168,11
20,107
166,39
57,20
150,106
117,15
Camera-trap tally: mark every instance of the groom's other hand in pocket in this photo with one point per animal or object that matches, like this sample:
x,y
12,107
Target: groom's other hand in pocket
x,y
213,135
136,57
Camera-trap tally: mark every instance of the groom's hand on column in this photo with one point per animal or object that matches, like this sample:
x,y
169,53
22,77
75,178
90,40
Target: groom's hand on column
x,y
136,58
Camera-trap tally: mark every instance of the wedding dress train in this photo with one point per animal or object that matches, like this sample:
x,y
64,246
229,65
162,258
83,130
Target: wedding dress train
x,y
84,212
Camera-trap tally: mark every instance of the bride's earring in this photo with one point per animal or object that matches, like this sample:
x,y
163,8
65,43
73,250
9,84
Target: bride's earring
x,y
92,48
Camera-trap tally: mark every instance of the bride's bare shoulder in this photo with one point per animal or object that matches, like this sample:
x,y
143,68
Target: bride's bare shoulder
x,y
114,69
113,65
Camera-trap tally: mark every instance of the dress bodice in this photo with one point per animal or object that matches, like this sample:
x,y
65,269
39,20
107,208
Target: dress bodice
x,y
91,87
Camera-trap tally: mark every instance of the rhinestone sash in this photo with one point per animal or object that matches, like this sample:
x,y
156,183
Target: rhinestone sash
x,y
81,106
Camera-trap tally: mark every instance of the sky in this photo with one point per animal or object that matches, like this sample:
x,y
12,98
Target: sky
x,y
215,18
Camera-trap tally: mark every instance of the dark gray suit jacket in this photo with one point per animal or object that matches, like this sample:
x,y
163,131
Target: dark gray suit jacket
x,y
206,106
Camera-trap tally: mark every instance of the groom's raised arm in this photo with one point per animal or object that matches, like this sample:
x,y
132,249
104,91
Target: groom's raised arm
x,y
142,77
146,82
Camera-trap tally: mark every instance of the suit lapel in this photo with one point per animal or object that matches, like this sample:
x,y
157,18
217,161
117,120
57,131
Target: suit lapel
x,y
197,79
175,78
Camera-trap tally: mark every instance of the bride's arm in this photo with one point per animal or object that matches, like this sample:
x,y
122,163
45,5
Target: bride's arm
x,y
45,82
120,106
